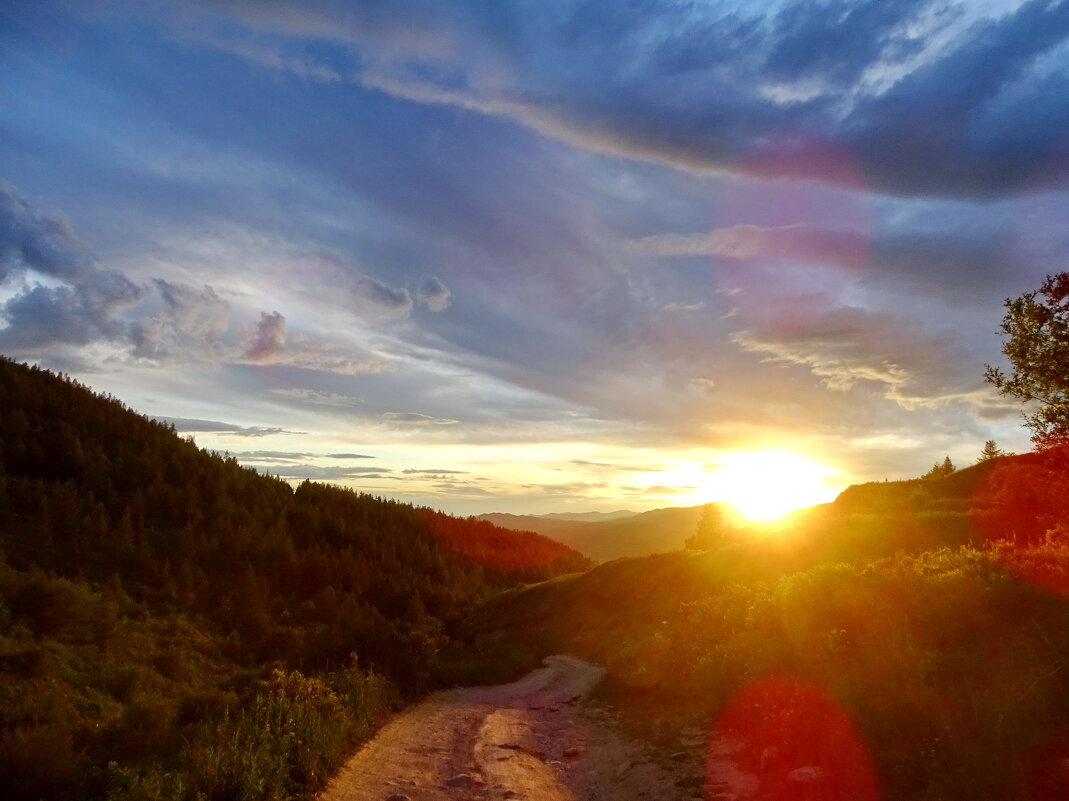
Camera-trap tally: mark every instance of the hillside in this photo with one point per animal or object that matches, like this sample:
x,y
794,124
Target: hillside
x,y
656,531
887,661
1019,496
160,606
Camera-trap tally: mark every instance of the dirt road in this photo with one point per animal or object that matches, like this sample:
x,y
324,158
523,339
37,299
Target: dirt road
x,y
533,739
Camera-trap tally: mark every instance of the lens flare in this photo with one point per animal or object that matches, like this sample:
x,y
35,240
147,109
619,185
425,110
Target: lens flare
x,y
783,740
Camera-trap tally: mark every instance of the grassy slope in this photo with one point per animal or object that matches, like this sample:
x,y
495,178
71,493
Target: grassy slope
x,y
949,658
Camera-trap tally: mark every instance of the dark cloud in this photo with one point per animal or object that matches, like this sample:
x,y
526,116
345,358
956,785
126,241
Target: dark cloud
x,y
31,239
433,294
911,89
348,456
80,310
377,295
412,471
42,316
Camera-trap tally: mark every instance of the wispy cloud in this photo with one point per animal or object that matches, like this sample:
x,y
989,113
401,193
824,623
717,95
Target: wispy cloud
x,y
184,425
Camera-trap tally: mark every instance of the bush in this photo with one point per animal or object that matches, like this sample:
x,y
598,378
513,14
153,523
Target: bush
x,y
288,739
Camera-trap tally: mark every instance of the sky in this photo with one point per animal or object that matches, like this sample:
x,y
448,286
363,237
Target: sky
x,y
538,256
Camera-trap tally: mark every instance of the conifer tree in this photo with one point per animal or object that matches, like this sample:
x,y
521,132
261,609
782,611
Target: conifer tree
x,y
990,451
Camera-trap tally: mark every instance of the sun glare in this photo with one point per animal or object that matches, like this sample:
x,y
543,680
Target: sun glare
x,y
764,485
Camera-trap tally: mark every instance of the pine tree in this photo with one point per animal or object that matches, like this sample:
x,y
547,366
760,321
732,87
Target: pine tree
x,y
711,531
941,469
990,451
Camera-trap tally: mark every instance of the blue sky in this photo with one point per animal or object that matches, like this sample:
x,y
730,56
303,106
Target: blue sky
x,y
536,256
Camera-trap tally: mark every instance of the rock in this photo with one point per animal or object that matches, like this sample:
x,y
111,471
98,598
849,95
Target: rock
x,y
807,775
678,756
533,707
769,758
570,751
510,746
398,797
460,780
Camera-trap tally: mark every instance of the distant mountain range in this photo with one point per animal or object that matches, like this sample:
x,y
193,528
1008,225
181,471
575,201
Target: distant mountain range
x,y
611,535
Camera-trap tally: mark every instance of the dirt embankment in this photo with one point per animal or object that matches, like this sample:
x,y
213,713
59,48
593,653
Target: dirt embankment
x,y
532,739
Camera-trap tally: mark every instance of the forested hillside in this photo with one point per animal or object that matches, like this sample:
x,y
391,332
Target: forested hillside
x,y
173,625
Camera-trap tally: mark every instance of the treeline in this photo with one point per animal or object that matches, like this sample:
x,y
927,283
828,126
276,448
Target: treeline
x,y
155,598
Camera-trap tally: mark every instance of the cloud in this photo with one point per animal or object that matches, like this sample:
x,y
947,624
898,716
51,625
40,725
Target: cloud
x,y
191,323
413,419
614,467
372,294
31,239
282,457
316,473
411,471
799,243
433,294
915,92
267,338
847,345
79,310
186,425
42,316
348,456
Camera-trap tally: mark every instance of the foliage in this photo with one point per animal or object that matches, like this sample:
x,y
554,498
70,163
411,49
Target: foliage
x,y
160,606
1036,325
941,469
712,530
991,450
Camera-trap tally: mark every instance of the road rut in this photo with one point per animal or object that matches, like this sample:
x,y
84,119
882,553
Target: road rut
x,y
532,739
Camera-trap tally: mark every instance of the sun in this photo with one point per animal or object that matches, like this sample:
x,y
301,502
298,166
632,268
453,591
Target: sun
x,y
764,485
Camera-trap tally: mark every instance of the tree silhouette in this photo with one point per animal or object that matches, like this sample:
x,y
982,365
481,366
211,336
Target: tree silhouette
x,y
990,451
711,531
941,469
